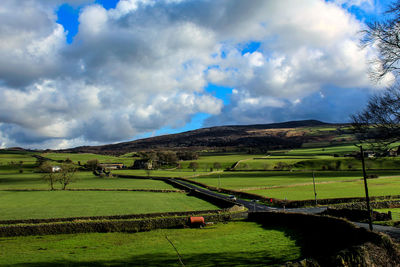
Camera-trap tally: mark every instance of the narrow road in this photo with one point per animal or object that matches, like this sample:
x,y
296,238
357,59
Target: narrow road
x,y
250,205
393,232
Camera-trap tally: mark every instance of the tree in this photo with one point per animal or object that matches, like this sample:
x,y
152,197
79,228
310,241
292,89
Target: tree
x,y
193,165
385,36
378,124
47,173
92,164
217,165
66,175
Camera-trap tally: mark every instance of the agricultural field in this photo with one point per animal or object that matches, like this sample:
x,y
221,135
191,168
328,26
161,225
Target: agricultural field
x,y
84,180
62,204
299,185
18,201
237,243
84,157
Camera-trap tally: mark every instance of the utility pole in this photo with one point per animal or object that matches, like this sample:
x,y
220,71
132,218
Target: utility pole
x,y
366,188
315,191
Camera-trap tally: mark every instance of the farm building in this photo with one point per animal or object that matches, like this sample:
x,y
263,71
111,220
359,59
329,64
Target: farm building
x,y
55,168
112,166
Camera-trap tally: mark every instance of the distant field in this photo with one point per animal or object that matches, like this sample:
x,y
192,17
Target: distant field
x,y
84,180
376,187
298,185
206,160
161,173
233,244
84,157
60,204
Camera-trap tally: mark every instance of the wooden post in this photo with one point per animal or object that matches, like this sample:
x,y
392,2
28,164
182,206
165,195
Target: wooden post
x,y
315,191
366,189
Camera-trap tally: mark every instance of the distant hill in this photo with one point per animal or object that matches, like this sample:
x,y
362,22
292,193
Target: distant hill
x,y
290,134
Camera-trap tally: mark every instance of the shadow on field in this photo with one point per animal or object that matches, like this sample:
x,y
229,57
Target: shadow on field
x,y
206,259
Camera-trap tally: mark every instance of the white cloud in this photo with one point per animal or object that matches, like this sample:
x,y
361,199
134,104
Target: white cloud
x,y
144,65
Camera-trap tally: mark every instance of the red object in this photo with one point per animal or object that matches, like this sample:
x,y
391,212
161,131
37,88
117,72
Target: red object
x,y
197,220
271,200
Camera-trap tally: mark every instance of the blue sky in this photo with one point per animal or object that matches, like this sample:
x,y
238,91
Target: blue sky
x,y
86,72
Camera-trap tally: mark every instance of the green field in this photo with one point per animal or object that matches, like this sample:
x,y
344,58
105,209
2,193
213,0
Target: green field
x,y
62,204
161,173
234,244
376,187
84,180
299,185
84,157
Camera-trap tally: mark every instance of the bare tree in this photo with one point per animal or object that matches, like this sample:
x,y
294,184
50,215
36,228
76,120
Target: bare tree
x,y
379,124
193,165
66,175
48,174
385,36
217,165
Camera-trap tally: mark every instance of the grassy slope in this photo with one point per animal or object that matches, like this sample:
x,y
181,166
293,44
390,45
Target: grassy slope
x,y
59,204
233,244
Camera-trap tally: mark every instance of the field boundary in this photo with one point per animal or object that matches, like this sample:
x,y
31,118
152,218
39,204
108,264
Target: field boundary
x,y
100,189
130,225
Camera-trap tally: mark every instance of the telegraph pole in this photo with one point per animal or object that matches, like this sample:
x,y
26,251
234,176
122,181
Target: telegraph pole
x,y
366,188
315,191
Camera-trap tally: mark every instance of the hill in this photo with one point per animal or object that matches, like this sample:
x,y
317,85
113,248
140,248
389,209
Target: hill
x,y
290,134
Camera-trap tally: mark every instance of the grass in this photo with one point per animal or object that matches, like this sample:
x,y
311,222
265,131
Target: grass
x,y
298,185
376,187
234,244
60,204
160,173
207,160
84,180
84,157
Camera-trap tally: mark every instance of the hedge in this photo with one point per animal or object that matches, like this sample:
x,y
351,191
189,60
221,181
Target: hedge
x,y
116,217
104,226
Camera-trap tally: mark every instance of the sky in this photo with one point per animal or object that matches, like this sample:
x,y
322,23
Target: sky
x,y
92,72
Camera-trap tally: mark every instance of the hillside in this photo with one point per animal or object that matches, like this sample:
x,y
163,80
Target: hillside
x,y
260,136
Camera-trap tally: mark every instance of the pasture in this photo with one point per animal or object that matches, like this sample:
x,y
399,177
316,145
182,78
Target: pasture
x,y
15,205
237,243
84,180
299,185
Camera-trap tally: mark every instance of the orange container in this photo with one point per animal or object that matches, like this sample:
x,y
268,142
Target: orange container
x,y
197,220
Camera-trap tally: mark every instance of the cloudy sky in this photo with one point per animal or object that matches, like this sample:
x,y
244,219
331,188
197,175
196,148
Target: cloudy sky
x,y
86,72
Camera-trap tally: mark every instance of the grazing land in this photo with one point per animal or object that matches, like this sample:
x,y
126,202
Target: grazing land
x,y
233,244
282,169
85,180
62,204
299,185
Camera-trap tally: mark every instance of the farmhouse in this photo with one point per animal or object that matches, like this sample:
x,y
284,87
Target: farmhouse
x,y
143,164
55,168
112,166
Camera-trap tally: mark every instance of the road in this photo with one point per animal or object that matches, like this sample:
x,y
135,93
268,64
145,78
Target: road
x,y
393,232
250,205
